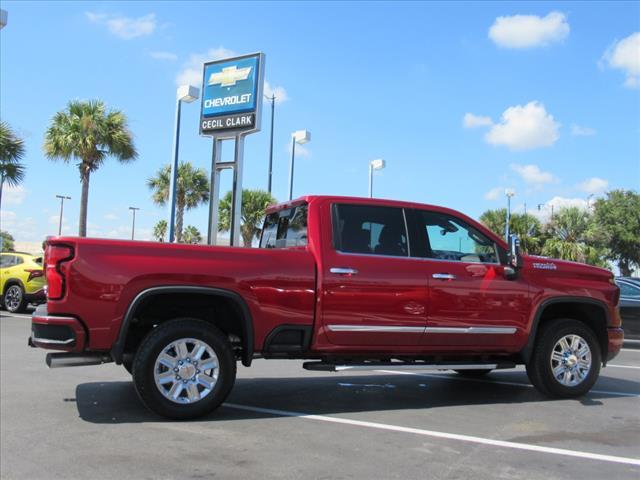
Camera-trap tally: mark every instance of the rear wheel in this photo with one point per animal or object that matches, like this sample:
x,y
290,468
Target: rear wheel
x,y
474,373
566,359
14,299
184,368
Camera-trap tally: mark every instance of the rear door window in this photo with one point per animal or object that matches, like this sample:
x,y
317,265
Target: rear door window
x,y
370,230
285,228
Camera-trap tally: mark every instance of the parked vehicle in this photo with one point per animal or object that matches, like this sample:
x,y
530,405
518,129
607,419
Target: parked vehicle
x,y
345,283
630,306
21,280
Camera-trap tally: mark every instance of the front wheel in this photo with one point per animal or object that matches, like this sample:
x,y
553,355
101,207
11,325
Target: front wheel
x,y
14,299
566,359
184,368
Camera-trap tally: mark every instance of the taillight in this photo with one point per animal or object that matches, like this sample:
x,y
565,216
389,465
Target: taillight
x,y
34,273
54,256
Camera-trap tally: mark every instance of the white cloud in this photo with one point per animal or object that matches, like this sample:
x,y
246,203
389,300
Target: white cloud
x,y
125,27
170,56
13,195
22,228
544,211
111,216
594,185
625,55
578,131
191,73
473,121
524,128
532,174
279,92
527,31
494,193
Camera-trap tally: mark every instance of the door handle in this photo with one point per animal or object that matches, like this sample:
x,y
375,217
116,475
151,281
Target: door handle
x,y
444,276
343,271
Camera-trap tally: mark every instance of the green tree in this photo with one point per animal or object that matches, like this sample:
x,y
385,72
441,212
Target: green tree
x,y
191,235
86,132
7,241
11,152
526,226
192,190
617,227
568,238
254,204
160,230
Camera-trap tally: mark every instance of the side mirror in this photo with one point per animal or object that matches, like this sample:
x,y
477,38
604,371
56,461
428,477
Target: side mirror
x,y
514,255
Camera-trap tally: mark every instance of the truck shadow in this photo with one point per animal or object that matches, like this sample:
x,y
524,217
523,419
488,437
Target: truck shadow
x,y
117,402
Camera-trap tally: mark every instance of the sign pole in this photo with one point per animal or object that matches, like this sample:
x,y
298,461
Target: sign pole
x,y
236,203
214,193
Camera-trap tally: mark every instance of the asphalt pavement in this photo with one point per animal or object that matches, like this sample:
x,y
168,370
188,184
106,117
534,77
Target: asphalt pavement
x,y
281,421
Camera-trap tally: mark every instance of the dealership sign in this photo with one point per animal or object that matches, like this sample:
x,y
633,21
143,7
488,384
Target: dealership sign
x,y
232,96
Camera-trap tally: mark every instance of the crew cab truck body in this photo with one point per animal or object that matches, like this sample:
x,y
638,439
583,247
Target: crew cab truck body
x,y
346,283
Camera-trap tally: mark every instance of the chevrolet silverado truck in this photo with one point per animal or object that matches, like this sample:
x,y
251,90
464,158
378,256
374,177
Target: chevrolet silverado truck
x,y
343,283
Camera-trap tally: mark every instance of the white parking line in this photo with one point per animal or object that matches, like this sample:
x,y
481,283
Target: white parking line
x,y
445,435
623,366
499,382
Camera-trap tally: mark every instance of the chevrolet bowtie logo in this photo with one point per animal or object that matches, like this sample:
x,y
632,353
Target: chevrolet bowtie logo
x,y
229,76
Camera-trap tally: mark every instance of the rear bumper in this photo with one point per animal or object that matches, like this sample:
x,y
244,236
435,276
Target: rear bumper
x,y
54,332
615,338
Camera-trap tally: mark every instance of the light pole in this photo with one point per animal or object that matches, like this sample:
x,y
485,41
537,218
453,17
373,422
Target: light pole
x,y
273,110
377,164
133,224
62,199
509,192
187,94
300,137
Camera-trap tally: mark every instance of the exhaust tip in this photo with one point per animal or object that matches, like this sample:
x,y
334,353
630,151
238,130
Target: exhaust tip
x,y
59,360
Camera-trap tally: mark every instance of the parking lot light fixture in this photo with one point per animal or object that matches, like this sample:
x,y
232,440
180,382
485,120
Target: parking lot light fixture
x,y
3,18
377,164
300,137
186,94
509,192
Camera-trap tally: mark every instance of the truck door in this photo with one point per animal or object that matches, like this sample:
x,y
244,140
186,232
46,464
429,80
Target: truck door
x,y
373,292
471,302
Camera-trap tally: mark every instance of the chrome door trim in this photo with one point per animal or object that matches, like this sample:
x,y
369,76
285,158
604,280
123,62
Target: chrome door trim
x,y
472,330
375,328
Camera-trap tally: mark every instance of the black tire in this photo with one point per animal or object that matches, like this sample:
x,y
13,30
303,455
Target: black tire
x,y
14,299
127,363
144,368
540,370
474,373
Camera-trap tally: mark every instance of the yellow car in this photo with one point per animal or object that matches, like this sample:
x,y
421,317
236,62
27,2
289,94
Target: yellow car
x,y
21,280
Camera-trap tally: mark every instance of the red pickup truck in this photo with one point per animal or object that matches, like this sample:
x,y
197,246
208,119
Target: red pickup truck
x,y
344,283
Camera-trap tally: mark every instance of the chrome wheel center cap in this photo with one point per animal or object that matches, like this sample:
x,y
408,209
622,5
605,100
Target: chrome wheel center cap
x,y
187,371
571,360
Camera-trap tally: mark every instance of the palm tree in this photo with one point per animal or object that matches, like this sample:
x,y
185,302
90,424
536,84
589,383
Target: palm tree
x,y
526,226
568,233
191,235
11,152
254,203
87,132
160,230
192,190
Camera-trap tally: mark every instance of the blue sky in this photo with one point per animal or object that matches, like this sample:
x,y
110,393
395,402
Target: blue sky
x,y
461,99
